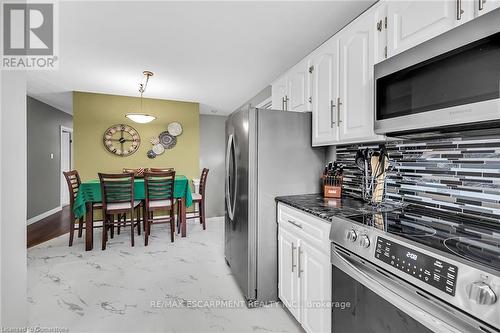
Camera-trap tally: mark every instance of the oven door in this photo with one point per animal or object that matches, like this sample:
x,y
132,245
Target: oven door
x,y
367,299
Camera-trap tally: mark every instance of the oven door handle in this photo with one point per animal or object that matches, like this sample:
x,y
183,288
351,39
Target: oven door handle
x,y
421,309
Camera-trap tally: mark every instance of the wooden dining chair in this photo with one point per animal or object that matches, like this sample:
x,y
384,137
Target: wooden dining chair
x,y
117,199
159,192
74,182
199,198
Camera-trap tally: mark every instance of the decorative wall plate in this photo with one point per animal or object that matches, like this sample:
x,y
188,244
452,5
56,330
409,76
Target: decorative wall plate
x,y
155,140
174,128
121,140
158,149
168,141
151,154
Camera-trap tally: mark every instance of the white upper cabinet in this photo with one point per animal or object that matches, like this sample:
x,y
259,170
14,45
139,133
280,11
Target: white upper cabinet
x,y
484,6
291,91
342,84
413,22
279,94
297,88
336,81
356,88
324,91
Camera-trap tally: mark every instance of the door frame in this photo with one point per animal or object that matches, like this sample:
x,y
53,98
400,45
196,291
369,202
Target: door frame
x,y
64,129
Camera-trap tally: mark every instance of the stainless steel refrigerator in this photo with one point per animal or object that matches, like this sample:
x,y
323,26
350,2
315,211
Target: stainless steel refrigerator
x,y
268,153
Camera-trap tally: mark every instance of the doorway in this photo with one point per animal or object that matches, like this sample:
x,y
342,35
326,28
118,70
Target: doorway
x,y
66,161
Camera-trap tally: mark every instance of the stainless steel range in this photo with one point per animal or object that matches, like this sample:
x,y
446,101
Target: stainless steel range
x,y
416,270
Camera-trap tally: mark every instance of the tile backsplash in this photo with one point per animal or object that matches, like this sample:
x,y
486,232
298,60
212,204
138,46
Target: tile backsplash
x,y
454,174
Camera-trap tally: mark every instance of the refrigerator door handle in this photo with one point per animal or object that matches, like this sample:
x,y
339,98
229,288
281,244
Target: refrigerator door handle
x,y
229,157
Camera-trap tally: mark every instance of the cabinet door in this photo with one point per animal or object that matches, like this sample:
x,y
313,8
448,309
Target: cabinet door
x,y
355,104
316,289
484,6
288,288
380,24
413,22
324,89
298,98
278,93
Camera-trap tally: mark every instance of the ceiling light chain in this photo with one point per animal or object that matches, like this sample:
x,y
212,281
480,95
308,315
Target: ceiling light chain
x,y
141,117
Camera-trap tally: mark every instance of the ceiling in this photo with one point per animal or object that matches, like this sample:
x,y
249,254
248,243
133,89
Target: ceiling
x,y
219,54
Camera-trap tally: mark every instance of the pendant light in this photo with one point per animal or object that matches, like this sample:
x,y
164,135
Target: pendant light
x,y
142,118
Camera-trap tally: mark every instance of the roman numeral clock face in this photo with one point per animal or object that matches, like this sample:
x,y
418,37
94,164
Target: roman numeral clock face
x,y
121,140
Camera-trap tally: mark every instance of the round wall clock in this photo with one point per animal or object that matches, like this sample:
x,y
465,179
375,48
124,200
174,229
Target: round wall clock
x,y
121,140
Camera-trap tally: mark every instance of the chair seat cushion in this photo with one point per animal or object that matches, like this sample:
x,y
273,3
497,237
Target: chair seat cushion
x,y
196,196
122,205
159,203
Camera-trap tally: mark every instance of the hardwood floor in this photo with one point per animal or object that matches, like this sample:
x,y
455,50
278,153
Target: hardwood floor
x,y
50,227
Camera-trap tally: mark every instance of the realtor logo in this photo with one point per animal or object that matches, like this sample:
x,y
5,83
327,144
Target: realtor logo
x,y
29,32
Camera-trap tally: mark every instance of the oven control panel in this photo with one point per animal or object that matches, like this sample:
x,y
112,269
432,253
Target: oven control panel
x,y
434,272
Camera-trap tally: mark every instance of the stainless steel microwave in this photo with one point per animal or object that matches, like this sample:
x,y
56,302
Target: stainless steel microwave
x,y
451,80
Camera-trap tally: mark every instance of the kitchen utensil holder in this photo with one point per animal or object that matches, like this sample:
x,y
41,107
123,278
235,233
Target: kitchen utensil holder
x,y
374,190
332,186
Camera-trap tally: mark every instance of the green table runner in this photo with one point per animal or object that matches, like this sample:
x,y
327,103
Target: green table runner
x,y
90,191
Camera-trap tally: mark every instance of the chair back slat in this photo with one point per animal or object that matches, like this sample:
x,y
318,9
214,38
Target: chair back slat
x,y
159,186
117,188
73,181
203,181
160,169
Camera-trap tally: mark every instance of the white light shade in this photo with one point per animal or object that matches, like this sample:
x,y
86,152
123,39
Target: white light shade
x,y
140,117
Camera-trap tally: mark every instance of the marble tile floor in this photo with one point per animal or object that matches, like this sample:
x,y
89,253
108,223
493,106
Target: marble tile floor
x,y
183,286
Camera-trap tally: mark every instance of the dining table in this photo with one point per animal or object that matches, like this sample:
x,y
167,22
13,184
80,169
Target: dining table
x,y
89,193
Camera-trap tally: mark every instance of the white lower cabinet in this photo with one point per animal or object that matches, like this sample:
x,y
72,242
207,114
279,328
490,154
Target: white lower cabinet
x,y
304,269
287,270
315,288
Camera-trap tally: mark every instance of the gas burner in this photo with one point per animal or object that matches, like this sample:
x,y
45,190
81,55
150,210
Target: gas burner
x,y
482,251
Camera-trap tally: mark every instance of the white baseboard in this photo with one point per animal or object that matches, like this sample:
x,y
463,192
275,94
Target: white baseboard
x,y
43,215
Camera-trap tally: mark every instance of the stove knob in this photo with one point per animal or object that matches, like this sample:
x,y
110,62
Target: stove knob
x,y
481,293
364,241
352,236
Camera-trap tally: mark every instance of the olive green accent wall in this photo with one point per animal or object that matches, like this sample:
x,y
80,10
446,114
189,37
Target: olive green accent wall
x,y
94,113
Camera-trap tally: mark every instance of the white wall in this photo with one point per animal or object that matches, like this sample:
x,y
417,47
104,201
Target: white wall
x,y
212,156
13,175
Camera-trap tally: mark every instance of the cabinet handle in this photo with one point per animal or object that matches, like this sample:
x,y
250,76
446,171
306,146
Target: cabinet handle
x,y
295,224
481,4
293,261
332,107
286,102
460,11
282,103
339,103
299,269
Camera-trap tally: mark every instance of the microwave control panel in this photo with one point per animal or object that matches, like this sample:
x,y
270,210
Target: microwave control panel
x,y
434,272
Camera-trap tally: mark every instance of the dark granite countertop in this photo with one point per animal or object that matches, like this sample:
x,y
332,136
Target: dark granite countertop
x,y
326,208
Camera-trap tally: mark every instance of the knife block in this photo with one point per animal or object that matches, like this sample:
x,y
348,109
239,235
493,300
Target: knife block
x,y
332,187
